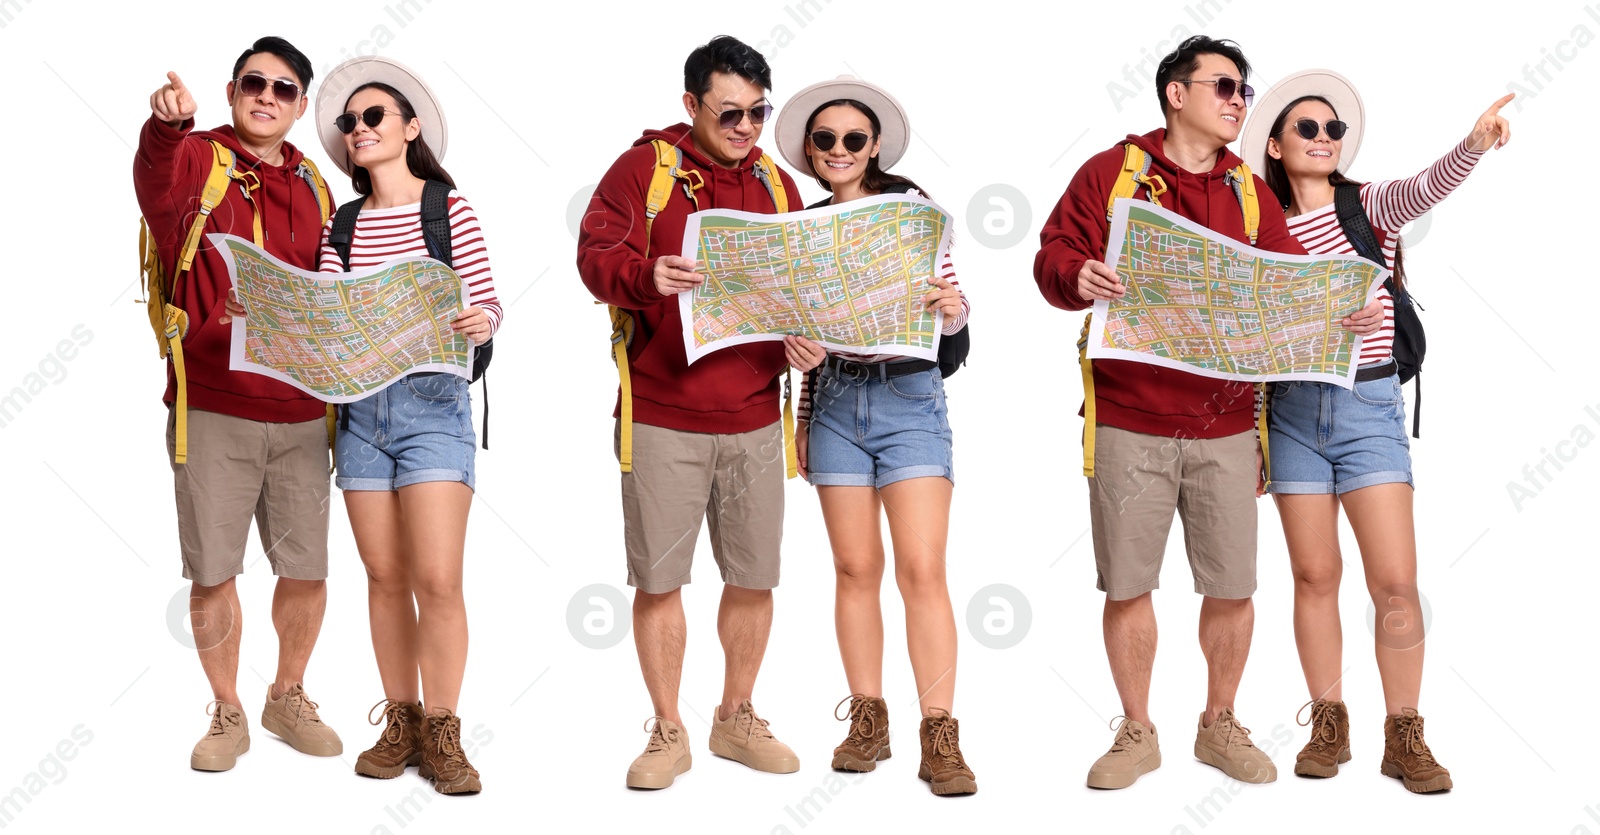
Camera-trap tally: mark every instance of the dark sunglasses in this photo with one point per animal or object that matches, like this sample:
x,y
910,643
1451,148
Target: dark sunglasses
x,y
286,92
1307,128
854,141
730,119
1226,87
373,116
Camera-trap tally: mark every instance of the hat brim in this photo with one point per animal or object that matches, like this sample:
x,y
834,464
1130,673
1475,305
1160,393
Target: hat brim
x,y
1325,83
790,128
346,78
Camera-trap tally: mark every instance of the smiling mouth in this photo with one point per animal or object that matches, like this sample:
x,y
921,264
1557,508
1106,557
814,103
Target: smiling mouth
x,y
1321,154
838,166
366,143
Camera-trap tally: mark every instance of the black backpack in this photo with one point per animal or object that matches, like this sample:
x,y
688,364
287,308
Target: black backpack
x,y
953,349
436,235
1410,343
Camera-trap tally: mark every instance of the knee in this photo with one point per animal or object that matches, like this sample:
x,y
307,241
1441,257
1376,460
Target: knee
x,y
437,588
859,570
920,578
224,589
390,579
647,602
1321,580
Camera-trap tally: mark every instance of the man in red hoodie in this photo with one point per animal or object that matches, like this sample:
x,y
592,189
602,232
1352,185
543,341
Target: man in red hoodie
x,y
257,447
707,442
1168,440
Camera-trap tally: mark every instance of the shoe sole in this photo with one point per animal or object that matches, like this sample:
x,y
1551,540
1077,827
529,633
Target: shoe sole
x,y
787,765
845,762
1215,760
1438,784
955,785
219,763
471,785
318,749
387,772
1307,768
659,779
1144,767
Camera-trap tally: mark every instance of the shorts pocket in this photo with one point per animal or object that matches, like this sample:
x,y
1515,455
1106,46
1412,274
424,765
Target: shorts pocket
x,y
1382,392
434,386
919,386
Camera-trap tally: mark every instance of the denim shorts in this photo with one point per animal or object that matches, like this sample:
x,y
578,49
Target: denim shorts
x,y
868,431
1324,438
418,429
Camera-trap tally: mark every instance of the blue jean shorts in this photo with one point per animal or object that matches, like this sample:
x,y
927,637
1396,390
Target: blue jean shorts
x,y
1325,438
418,429
869,431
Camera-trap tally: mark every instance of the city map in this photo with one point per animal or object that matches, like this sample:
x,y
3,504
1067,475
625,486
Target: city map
x,y
851,277
1201,302
342,336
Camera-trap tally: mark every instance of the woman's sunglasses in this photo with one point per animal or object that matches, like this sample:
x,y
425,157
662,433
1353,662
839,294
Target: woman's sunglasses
x,y
730,119
373,116
1307,128
1226,87
286,92
854,141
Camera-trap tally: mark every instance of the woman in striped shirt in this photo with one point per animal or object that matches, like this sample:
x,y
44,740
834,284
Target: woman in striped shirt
x,y
406,453
873,438
1331,445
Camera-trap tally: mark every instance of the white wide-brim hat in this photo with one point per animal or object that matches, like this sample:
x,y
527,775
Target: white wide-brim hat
x,y
344,80
790,128
1325,83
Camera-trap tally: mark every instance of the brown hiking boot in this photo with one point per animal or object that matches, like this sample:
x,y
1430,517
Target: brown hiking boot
x,y
1135,753
1406,755
398,746
293,716
442,759
1226,745
665,756
743,737
228,737
942,764
1330,739
868,740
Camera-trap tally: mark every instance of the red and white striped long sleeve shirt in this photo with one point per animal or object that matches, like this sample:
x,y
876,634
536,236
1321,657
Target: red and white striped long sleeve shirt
x,y
1390,205
384,234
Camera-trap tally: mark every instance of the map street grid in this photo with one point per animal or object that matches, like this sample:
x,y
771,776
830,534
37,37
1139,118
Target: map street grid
x,y
343,336
851,277
1200,302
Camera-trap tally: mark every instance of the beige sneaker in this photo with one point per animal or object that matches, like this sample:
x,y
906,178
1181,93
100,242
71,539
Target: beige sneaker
x,y
1226,745
1135,753
228,737
665,756
294,717
744,737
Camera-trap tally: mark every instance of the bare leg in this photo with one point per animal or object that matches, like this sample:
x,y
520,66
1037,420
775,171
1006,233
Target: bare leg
x,y
216,620
1311,529
1225,630
919,524
434,518
659,634
1130,635
744,620
1381,517
297,608
851,514
391,611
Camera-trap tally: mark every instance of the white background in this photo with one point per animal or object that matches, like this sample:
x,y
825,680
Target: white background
x,y
539,105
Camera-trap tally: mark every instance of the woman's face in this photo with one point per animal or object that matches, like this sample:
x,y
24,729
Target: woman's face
x,y
371,146
838,165
1301,156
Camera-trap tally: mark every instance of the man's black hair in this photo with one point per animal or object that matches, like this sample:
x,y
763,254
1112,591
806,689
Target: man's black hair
x,y
1181,63
724,54
298,63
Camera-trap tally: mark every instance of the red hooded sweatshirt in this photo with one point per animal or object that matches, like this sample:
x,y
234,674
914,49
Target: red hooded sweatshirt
x,y
728,391
169,172
1131,395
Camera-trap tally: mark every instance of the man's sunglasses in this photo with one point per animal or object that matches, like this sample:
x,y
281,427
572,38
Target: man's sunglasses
x,y
286,92
730,119
1226,87
373,116
854,141
1307,128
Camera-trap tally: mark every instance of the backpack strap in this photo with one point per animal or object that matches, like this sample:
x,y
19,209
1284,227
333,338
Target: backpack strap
x,y
1353,220
436,221
344,229
1087,368
308,172
1244,189
1135,172
767,173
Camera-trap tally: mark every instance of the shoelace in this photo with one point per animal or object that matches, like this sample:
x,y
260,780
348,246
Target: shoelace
x,y
658,736
214,707
863,719
298,699
395,715
1127,737
1324,731
447,738
752,724
1237,734
1410,730
945,743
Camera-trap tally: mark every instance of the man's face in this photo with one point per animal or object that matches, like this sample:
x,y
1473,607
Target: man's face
x,y
264,119
1199,110
726,147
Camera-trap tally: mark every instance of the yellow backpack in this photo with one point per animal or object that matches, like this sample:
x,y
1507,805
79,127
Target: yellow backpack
x,y
669,173
169,321
1135,173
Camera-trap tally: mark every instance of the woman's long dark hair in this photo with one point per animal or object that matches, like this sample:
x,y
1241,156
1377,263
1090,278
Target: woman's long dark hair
x,y
419,157
876,179
1278,179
